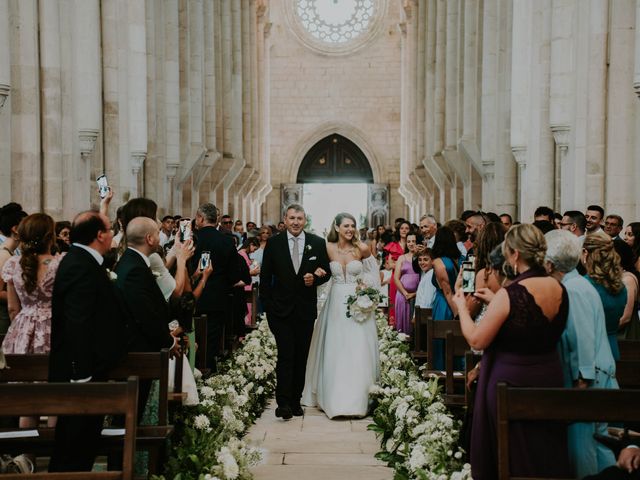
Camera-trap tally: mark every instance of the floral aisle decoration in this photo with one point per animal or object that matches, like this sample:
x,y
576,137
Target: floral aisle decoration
x,y
418,435
209,442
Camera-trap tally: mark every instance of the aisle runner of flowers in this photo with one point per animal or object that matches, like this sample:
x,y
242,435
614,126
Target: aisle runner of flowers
x,y
208,435
418,435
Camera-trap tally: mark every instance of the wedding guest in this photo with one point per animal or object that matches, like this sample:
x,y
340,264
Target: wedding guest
x,y
406,281
586,356
226,223
557,220
543,214
428,228
594,216
214,301
386,281
249,247
506,220
474,224
632,237
459,231
10,217
62,236
445,266
426,291
629,323
519,335
29,280
88,334
143,297
602,264
613,225
166,230
399,244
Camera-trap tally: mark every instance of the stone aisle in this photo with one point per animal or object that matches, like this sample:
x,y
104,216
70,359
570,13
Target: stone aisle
x,y
316,448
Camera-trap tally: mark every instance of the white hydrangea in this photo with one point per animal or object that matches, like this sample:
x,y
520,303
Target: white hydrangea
x,y
201,422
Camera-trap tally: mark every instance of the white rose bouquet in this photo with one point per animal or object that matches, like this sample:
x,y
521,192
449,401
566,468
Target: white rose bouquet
x,y
362,306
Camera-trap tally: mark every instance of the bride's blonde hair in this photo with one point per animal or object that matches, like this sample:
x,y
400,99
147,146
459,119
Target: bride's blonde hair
x,y
333,233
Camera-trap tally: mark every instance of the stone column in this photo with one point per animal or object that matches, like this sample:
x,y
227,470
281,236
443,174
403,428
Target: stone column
x,y
172,100
596,99
636,70
561,94
5,53
621,104
5,108
51,114
26,171
137,92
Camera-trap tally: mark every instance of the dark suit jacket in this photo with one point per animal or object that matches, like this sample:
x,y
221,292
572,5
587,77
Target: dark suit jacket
x,y
281,289
88,321
225,268
148,309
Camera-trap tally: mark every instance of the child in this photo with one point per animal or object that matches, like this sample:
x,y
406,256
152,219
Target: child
x,y
426,291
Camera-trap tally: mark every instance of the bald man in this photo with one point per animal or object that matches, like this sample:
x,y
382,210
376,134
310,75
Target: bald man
x,y
143,297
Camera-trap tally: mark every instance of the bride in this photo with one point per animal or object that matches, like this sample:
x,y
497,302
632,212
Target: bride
x,y
343,361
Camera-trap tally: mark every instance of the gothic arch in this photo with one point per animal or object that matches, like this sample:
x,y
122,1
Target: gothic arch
x,y
348,131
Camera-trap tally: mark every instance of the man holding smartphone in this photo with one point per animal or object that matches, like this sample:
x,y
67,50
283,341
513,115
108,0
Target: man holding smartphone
x,y
215,298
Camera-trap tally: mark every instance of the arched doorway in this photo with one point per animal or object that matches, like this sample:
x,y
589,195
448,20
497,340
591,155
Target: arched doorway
x,y
335,175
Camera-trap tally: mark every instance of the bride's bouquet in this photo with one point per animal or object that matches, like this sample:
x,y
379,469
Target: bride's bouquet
x,y
362,306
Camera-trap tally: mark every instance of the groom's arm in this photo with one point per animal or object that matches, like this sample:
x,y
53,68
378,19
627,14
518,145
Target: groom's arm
x,y
266,274
323,263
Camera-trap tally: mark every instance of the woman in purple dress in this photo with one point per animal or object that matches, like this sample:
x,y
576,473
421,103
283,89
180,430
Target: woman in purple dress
x,y
519,334
406,280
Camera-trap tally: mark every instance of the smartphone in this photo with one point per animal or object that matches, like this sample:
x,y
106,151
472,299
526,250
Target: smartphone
x,y
468,277
205,260
185,230
103,185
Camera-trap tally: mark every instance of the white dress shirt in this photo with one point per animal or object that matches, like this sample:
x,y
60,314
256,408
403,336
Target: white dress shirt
x,y
426,291
94,253
301,239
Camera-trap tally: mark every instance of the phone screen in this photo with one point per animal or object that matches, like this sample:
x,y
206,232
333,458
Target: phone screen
x,y
205,259
103,185
468,278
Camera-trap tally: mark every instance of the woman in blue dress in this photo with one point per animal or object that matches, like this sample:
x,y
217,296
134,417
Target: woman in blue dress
x,y
586,357
445,256
605,274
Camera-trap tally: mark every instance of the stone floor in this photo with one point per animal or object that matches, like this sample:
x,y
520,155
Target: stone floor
x,y
314,447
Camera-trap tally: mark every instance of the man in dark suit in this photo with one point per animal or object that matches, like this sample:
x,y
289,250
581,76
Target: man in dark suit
x,y
293,265
148,310
88,334
215,300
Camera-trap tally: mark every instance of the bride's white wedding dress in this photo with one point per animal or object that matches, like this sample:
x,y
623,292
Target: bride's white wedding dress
x,y
344,361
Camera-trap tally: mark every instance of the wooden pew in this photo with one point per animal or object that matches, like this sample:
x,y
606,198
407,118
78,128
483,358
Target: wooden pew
x,y
200,327
628,373
144,365
561,404
420,346
90,398
252,298
629,349
455,346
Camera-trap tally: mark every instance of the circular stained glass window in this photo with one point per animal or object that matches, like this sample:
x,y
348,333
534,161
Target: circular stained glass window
x,y
335,21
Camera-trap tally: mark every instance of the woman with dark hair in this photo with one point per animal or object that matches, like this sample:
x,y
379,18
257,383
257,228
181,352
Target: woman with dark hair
x,y
446,258
629,323
406,281
248,248
605,274
632,237
29,279
62,236
394,248
10,216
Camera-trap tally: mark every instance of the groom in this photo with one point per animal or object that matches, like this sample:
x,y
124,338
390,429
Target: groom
x,y
294,263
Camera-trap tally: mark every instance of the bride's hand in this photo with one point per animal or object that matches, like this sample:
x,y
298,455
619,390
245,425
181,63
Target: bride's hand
x,y
319,272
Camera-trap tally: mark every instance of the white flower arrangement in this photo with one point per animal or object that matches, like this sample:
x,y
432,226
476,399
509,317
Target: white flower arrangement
x,y
418,435
363,304
210,446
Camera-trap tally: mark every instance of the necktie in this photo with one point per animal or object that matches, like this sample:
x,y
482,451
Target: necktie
x,y
296,255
